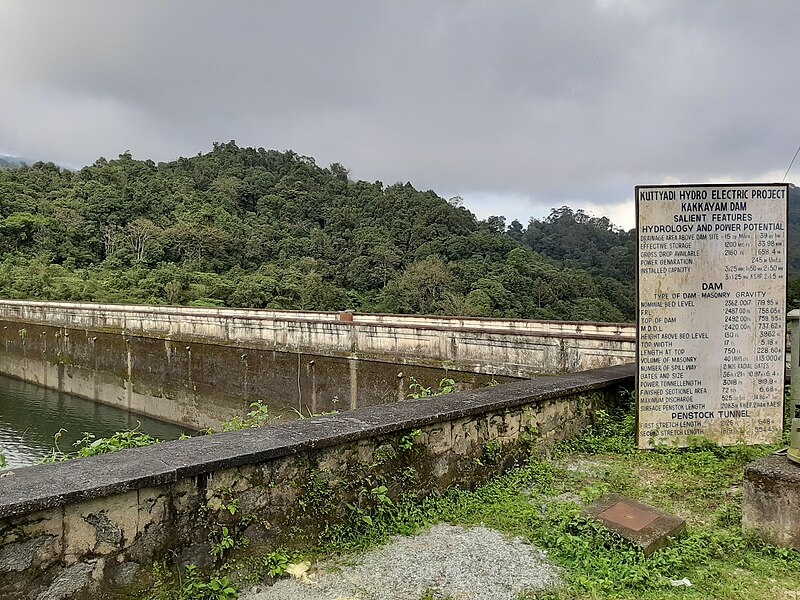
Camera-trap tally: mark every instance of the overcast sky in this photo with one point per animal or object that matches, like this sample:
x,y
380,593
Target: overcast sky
x,y
516,106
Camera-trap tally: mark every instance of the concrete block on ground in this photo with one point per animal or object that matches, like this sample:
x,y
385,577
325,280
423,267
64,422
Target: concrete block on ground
x,y
642,525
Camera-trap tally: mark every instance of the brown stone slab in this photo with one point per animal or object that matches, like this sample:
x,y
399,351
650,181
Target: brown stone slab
x,y
627,515
642,525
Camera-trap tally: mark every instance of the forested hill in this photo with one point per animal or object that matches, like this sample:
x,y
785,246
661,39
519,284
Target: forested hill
x,y
260,228
574,239
577,240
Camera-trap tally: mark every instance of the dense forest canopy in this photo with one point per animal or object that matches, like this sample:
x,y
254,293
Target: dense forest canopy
x,y
259,228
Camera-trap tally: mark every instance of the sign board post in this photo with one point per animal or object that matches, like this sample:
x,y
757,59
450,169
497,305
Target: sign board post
x,y
711,313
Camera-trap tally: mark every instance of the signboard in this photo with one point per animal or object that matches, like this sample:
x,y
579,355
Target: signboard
x,y
712,313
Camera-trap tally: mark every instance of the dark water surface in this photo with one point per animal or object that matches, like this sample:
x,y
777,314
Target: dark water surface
x,y
30,415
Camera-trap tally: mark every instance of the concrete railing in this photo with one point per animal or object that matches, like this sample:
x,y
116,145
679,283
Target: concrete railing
x,y
625,330
515,348
83,528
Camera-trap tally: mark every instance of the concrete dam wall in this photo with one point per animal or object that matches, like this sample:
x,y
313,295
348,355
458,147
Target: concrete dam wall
x,y
199,367
91,527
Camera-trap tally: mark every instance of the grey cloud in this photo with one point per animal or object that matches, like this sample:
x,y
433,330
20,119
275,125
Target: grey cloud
x,y
550,101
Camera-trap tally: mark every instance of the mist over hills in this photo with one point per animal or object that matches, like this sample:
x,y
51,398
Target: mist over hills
x,y
10,162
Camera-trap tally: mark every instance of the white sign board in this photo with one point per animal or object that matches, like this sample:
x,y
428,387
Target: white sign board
x,y
712,313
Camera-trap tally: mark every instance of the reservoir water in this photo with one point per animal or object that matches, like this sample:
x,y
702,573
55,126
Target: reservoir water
x,y
31,415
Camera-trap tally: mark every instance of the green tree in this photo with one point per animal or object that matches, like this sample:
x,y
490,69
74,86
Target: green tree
x,y
267,229
423,288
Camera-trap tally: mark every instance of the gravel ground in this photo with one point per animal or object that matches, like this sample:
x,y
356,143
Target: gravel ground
x,y
474,564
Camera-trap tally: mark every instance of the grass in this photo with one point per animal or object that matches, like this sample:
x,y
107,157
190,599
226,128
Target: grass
x,y
702,484
542,501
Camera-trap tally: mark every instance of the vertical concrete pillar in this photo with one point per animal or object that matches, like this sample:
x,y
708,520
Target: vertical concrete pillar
x,y
401,387
245,382
794,444
129,379
353,383
313,372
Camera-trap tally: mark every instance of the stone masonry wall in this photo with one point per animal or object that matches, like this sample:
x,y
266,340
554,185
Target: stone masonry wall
x,y
89,528
199,383
491,346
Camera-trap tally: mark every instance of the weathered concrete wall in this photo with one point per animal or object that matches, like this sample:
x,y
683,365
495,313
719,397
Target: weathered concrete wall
x,y
200,384
199,367
491,346
85,528
624,330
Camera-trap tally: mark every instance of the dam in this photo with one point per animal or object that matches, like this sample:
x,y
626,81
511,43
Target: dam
x,y
198,367
100,522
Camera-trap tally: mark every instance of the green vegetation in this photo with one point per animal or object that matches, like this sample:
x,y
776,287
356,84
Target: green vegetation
x,y
193,585
258,416
265,229
257,228
90,445
446,386
542,500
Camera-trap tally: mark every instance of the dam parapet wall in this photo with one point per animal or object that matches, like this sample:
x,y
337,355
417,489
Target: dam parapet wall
x,y
90,528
